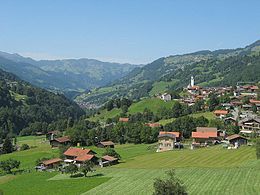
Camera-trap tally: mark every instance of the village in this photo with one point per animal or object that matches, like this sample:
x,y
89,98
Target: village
x,y
241,111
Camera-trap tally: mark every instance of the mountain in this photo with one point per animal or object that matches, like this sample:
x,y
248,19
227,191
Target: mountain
x,y
26,109
70,75
210,68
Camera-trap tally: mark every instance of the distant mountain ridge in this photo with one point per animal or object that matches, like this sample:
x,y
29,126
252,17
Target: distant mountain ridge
x,y
210,68
64,75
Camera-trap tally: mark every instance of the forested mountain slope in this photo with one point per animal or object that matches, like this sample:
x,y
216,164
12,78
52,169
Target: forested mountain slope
x,y
27,109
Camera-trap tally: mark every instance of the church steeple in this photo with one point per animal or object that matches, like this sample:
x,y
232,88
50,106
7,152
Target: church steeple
x,y
192,81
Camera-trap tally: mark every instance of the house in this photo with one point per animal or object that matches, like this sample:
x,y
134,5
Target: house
x,y
249,125
166,97
85,157
51,163
79,155
230,120
106,144
205,135
61,141
220,113
237,140
124,120
153,125
52,135
167,140
108,160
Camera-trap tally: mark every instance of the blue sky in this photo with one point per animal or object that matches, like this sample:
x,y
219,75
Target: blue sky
x,y
134,31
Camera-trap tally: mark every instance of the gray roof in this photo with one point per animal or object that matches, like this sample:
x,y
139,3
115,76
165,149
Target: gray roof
x,y
167,135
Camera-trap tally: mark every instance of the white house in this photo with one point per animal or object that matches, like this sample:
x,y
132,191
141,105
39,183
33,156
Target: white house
x,y
166,97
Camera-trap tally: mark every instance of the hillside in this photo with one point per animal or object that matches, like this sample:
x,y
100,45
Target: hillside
x,y
210,68
64,75
27,109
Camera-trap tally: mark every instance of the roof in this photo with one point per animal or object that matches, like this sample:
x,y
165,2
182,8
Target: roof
x,y
254,87
76,152
123,119
220,112
54,132
62,139
235,136
84,157
51,161
249,119
206,129
109,158
254,101
107,143
175,133
153,124
204,135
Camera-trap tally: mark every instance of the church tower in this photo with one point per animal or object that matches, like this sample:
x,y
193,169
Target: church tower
x,y
192,81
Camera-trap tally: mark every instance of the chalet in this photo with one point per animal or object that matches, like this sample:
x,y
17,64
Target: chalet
x,y
124,120
61,141
108,160
205,135
106,144
85,157
249,125
256,103
237,140
52,135
167,140
166,97
51,163
153,125
72,153
220,113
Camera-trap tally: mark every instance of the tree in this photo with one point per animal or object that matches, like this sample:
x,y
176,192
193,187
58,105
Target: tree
x,y
71,169
169,186
7,145
258,148
25,147
213,102
9,164
86,167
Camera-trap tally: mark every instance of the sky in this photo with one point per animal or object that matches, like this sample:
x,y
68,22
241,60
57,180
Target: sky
x,y
133,31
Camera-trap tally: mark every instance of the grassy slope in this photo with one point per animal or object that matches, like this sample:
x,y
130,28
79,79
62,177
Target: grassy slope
x,y
204,171
28,157
160,87
208,115
152,103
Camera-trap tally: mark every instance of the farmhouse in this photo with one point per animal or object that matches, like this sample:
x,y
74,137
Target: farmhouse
x,y
167,140
51,163
237,139
124,120
108,160
205,135
85,157
220,113
106,144
52,135
61,141
249,125
166,97
153,125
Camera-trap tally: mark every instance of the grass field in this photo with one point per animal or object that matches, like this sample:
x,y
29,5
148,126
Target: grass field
x,y
208,115
211,170
160,87
151,103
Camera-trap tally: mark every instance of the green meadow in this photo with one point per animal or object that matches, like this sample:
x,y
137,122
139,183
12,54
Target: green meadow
x,y
211,170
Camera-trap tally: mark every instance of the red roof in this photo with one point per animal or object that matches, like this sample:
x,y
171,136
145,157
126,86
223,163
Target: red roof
x,y
224,112
84,157
123,119
153,124
204,134
254,101
51,161
109,158
177,134
76,152
62,139
254,87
